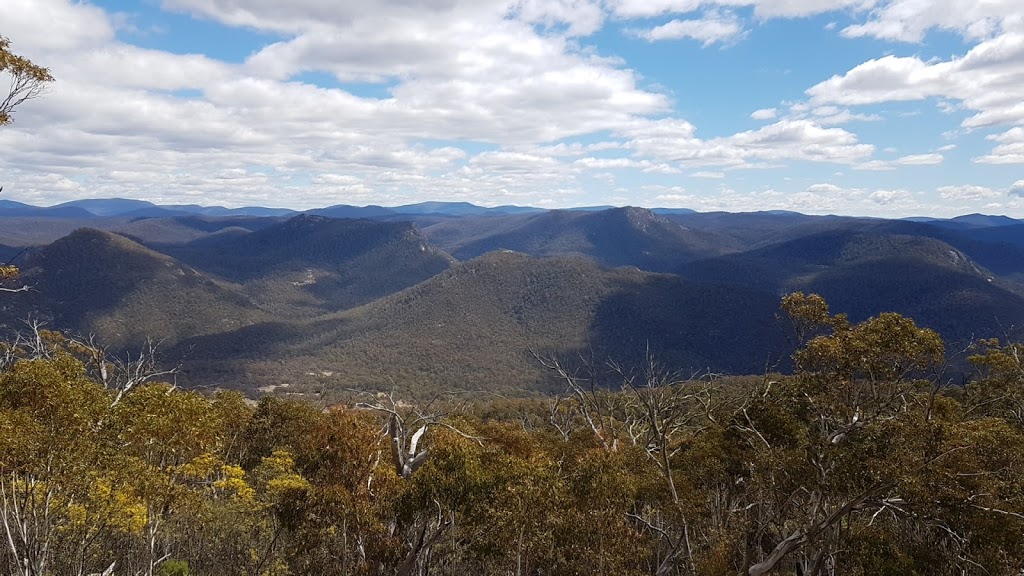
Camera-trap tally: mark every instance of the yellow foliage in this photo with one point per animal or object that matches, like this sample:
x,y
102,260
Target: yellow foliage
x,y
109,503
233,482
201,467
278,475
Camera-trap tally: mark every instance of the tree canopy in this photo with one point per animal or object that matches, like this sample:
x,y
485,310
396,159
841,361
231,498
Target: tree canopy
x,y
26,80
862,462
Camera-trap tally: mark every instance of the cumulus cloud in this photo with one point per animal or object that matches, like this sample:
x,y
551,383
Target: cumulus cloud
x,y
988,80
677,142
920,159
711,28
1010,148
1017,188
908,20
828,188
889,196
762,8
967,192
492,101
817,199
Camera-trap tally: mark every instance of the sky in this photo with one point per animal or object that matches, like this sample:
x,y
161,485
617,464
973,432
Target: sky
x,y
887,108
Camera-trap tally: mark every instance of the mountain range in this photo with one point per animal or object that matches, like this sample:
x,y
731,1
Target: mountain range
x,y
451,296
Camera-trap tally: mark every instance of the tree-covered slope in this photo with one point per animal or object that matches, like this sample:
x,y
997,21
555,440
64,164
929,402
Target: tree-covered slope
x,y
93,281
312,264
615,237
476,325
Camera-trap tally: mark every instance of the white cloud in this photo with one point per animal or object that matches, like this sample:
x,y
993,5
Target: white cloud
x,y
676,197
1017,189
889,196
38,28
988,80
711,28
817,199
650,8
675,142
762,8
908,20
826,188
967,192
459,71
920,159
484,100
1010,148
606,163
874,165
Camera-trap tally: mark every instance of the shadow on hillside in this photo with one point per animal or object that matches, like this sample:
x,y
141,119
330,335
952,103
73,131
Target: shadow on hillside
x,y
257,341
90,272
7,253
958,305
227,357
692,328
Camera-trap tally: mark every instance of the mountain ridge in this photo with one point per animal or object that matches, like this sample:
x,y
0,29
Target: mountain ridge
x,y
436,300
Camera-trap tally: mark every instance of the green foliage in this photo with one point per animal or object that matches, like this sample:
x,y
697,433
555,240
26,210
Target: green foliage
x,y
174,568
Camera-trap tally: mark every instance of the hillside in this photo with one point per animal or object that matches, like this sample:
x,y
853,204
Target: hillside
x,y
93,281
160,232
312,264
316,301
473,328
11,209
615,237
752,229
863,273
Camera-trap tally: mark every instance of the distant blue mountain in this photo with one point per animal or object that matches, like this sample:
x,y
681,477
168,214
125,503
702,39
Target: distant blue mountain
x,y
516,210
346,211
461,209
12,205
985,221
968,221
12,209
590,208
109,206
258,211
131,209
447,208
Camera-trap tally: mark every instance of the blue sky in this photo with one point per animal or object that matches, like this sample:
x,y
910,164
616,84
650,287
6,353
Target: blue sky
x,y
865,107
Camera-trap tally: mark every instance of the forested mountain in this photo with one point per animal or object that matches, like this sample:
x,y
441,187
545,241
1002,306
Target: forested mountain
x,y
560,411
476,326
96,282
614,237
317,263
318,302
927,279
